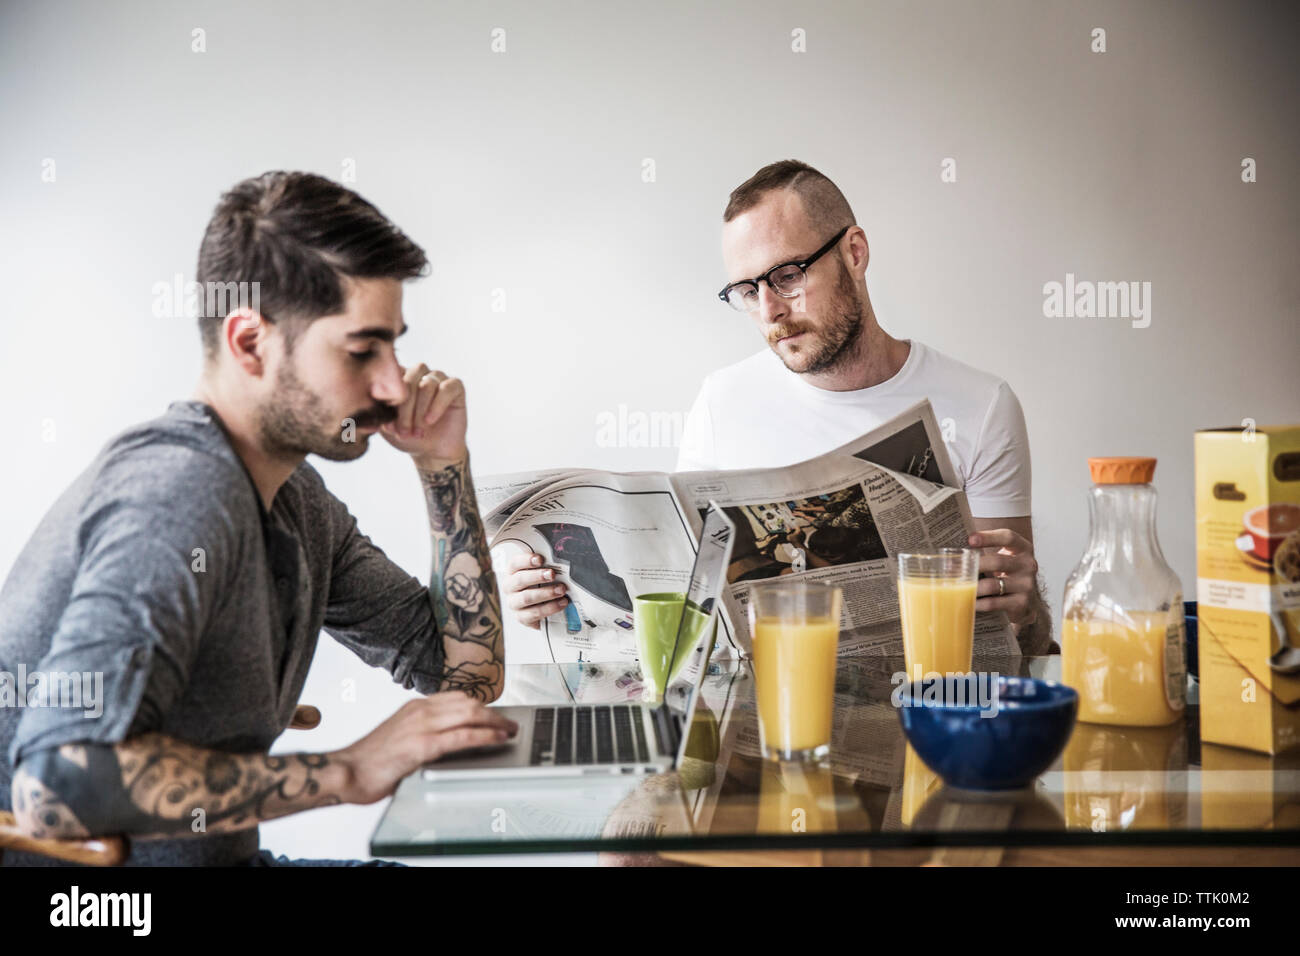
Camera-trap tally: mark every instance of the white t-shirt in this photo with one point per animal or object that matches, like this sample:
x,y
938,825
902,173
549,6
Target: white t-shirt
x,y
759,414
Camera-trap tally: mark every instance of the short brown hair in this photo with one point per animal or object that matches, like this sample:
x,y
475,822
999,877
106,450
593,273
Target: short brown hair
x,y
296,235
822,200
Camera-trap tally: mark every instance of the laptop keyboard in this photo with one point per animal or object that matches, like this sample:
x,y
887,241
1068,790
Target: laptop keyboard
x,y
589,735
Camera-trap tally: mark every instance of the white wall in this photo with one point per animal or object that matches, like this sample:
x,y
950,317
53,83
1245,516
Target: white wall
x,y
522,171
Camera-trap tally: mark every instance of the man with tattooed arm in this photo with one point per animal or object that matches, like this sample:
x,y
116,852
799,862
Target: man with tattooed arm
x,y
196,560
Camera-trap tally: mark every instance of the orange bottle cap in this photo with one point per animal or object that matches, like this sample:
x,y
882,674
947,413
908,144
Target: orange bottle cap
x,y
1122,471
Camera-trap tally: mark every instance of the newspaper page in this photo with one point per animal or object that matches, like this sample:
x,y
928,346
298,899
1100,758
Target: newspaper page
x,y
841,518
499,495
838,518
610,537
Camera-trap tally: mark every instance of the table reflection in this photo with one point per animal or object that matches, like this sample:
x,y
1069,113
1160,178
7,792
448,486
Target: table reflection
x,y
873,789
1120,778
919,781
1246,790
796,798
950,810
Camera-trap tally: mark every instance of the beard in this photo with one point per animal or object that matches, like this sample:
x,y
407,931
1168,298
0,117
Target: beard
x,y
832,344
295,423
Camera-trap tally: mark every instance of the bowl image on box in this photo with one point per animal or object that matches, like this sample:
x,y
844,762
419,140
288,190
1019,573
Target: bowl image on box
x,y
1001,743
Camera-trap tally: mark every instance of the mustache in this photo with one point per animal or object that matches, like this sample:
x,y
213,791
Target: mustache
x,y
783,331
374,417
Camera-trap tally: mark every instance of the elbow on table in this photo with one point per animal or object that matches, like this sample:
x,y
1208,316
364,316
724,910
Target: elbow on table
x,y
41,811
484,683
475,665
497,687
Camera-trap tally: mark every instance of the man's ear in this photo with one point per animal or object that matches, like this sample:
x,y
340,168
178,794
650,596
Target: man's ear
x,y
859,251
245,334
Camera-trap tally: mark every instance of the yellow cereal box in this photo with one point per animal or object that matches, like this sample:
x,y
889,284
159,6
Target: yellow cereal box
x,y
1248,586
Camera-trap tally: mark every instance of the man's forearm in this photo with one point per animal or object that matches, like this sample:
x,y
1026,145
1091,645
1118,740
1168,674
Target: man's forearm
x,y
157,786
1035,638
466,604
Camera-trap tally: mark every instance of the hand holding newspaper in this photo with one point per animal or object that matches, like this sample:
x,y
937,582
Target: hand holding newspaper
x,y
838,518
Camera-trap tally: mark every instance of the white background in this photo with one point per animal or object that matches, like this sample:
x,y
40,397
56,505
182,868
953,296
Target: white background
x,y
522,171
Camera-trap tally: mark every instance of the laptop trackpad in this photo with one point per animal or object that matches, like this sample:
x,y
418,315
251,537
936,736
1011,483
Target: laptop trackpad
x,y
507,753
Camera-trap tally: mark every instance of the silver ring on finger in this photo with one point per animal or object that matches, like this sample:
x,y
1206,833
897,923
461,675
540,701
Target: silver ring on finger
x,y
1002,587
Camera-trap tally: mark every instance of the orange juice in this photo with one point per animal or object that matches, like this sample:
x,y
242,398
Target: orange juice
x,y
794,671
1126,778
1119,667
938,625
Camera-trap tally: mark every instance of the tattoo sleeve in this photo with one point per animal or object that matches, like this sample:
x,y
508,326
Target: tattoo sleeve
x,y
157,786
466,604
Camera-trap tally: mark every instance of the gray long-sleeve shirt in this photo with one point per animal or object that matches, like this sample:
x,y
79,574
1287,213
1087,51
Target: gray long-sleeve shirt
x,y
159,568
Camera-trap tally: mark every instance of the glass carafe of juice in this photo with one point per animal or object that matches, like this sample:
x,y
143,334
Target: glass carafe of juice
x,y
1122,629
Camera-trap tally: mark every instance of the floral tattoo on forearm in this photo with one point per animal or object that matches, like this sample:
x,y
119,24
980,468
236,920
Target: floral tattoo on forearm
x,y
466,604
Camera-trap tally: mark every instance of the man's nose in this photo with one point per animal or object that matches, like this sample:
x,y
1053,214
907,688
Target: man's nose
x,y
390,386
772,308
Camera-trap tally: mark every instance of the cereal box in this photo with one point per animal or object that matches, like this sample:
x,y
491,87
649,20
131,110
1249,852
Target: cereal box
x,y
1248,586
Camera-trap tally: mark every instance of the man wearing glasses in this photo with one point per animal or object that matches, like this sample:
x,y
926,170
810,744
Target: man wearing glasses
x,y
796,261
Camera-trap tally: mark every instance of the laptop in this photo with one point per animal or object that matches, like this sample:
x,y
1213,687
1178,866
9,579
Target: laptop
x,y
580,740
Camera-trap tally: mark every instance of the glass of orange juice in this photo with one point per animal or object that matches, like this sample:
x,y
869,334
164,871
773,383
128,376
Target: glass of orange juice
x,y
936,600
796,629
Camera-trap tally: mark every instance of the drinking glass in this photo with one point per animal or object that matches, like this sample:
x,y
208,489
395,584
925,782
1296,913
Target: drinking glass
x,y
796,629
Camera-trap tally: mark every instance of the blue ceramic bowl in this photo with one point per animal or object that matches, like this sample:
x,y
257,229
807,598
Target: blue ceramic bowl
x,y
1032,723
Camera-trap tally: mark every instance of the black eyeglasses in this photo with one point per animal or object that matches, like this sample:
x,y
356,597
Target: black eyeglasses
x,y
786,280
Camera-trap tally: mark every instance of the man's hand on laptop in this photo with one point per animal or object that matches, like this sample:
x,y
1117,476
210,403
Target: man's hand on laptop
x,y
421,731
531,590
430,424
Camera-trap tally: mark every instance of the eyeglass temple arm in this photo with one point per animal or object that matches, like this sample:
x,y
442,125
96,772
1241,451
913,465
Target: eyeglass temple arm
x,y
766,276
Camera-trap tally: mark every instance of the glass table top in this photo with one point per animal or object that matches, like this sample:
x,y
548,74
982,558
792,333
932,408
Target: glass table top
x,y
1112,786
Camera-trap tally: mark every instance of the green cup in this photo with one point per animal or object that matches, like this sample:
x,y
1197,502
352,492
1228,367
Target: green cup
x,y
655,618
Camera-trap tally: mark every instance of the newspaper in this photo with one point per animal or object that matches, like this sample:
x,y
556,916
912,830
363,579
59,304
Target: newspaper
x,y
499,495
838,518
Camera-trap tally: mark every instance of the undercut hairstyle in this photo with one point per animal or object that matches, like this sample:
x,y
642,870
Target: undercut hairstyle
x,y
292,238
825,205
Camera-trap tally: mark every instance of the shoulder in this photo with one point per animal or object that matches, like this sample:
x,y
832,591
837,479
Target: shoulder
x,y
963,391
972,385
179,466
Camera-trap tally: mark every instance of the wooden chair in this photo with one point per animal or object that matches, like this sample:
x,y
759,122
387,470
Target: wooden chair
x,y
104,851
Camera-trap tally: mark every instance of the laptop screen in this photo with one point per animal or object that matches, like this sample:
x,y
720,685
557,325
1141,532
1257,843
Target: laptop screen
x,y
703,597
